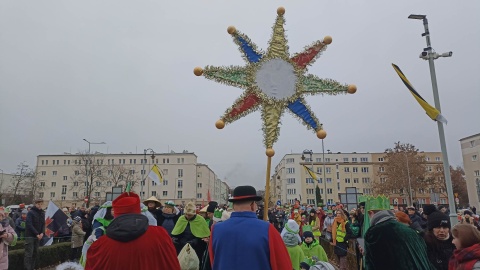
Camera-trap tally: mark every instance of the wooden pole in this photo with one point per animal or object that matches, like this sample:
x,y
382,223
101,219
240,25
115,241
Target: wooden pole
x,y
270,153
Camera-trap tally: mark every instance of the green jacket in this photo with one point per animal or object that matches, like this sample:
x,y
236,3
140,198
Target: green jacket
x,y
296,256
314,249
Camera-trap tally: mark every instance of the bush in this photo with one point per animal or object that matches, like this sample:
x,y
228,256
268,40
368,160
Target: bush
x,y
19,245
47,256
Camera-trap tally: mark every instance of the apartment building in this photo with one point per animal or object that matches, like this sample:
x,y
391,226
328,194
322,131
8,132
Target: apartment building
x,y
471,154
336,172
65,178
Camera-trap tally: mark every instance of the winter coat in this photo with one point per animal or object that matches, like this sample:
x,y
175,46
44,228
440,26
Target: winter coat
x,y
12,237
465,259
296,256
35,223
77,235
20,225
438,251
314,249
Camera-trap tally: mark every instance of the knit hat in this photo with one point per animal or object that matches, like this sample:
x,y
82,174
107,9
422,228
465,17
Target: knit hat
x,y
211,207
307,234
304,265
77,218
428,209
291,227
126,203
25,211
467,212
190,208
21,206
402,217
438,219
290,239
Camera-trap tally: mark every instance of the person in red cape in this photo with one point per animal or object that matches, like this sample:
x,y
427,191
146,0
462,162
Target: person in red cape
x,y
244,242
130,243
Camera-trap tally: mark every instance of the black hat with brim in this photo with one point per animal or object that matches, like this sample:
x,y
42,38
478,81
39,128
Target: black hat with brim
x,y
245,193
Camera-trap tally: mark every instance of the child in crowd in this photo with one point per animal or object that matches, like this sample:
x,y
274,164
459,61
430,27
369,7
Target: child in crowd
x,y
312,248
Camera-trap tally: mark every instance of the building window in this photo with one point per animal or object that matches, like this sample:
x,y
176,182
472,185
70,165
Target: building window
x,y
318,160
329,191
64,189
199,195
180,184
311,201
330,201
65,178
180,172
154,193
179,194
346,169
364,169
97,183
329,180
427,158
477,173
328,170
54,173
199,185
109,183
354,159
383,180
40,194
75,184
347,180
154,183
165,172
355,169
44,173
365,180
132,172
54,184
472,144
291,191
429,168
52,194
77,173
290,180
443,201
381,159
355,180
474,158
164,193
437,158
363,159
165,182
345,159
43,161
142,172
310,191
42,184
381,169
290,160
327,159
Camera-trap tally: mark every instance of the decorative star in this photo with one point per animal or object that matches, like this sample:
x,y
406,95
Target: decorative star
x,y
274,81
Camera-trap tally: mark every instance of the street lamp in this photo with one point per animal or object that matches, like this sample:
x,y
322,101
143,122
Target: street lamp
x,y
144,172
409,181
87,203
310,152
429,55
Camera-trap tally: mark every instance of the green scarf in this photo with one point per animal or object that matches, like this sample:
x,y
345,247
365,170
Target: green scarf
x,y
198,226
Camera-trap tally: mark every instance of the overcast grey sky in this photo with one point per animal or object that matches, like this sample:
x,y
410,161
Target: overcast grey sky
x,y
121,72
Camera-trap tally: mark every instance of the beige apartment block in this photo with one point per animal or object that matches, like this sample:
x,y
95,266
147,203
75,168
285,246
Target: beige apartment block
x,y
471,154
62,178
336,172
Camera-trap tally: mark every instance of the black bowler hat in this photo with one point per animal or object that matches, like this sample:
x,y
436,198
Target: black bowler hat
x,y
245,193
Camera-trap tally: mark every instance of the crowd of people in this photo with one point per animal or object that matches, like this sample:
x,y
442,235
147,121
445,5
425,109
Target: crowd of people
x,y
130,234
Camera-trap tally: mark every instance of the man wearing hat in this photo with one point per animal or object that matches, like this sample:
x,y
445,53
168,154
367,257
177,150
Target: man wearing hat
x,y
210,211
245,242
34,229
168,218
154,205
130,243
390,244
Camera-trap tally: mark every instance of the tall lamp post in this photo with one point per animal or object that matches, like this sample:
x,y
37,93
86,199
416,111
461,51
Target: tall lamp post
x,y
143,169
409,181
430,55
310,152
87,203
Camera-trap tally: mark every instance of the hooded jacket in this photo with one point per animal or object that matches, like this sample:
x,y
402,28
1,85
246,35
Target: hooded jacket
x,y
130,243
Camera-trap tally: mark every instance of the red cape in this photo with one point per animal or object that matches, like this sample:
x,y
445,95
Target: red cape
x,y
153,250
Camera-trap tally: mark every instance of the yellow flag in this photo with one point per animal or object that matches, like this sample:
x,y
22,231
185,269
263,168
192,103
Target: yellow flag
x,y
155,174
431,111
311,173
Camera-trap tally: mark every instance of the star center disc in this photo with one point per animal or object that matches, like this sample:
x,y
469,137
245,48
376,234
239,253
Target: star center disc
x,y
276,78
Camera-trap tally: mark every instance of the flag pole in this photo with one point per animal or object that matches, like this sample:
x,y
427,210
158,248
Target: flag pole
x,y
441,131
266,199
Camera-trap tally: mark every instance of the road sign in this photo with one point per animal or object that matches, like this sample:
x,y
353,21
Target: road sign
x,y
279,202
395,201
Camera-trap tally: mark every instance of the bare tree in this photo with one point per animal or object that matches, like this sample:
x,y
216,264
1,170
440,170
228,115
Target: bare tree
x,y
459,185
31,185
404,168
121,175
88,176
20,179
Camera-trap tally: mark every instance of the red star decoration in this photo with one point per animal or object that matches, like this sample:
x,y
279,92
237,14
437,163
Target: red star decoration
x,y
48,232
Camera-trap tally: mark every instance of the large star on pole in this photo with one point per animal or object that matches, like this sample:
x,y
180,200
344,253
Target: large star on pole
x,y
274,81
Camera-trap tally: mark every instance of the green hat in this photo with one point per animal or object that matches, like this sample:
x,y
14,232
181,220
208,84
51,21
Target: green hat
x,y
329,211
381,202
170,204
217,215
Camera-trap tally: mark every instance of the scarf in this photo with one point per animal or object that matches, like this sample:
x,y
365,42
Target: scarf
x,y
337,221
465,259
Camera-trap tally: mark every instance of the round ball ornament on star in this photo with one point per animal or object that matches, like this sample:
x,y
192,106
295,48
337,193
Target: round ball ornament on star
x,y
273,81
